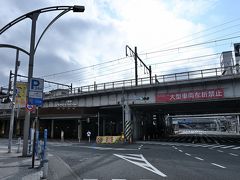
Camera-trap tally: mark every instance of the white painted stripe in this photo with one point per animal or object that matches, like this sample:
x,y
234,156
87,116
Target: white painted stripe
x,y
136,155
118,179
199,158
145,164
225,147
180,150
216,146
206,145
233,154
236,148
220,151
218,165
188,154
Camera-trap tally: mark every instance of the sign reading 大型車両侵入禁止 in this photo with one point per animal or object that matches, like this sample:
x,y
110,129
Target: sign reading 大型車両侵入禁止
x,y
35,96
191,95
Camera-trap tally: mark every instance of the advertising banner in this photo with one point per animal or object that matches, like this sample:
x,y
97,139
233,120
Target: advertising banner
x,y
21,93
190,95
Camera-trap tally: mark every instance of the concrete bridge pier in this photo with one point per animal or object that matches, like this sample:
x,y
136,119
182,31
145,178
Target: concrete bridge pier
x,y
52,129
136,125
128,123
238,124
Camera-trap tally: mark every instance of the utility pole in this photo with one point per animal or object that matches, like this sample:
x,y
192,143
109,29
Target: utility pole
x,y
17,64
136,58
136,69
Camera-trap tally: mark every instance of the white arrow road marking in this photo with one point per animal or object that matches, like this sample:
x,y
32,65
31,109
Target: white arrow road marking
x,y
140,161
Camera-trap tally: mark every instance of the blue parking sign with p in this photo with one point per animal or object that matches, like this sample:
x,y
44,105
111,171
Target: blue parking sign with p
x,y
36,84
36,91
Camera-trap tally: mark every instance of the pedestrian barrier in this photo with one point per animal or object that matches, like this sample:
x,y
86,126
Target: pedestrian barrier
x,y
108,139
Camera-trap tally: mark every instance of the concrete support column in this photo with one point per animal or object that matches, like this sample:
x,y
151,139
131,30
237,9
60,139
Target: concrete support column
x,y
3,127
79,130
104,124
52,129
238,124
18,127
128,123
136,126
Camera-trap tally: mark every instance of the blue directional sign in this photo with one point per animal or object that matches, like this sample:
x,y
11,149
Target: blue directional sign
x,y
35,96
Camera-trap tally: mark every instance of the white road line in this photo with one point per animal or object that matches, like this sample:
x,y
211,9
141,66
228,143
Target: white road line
x,y
216,146
220,151
198,158
227,147
236,148
143,163
188,154
118,179
205,145
233,154
218,165
180,150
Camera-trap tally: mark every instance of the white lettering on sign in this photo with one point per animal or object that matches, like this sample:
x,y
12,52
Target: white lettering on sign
x,y
192,95
88,133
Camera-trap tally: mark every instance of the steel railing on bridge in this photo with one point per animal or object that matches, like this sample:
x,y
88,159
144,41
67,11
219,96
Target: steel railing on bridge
x,y
156,80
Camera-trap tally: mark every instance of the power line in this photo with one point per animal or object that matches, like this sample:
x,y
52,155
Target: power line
x,y
192,45
69,71
199,32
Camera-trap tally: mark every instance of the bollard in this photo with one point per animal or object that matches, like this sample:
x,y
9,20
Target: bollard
x,y
45,169
19,145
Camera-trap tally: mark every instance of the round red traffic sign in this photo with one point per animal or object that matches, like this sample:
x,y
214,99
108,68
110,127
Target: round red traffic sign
x,y
29,107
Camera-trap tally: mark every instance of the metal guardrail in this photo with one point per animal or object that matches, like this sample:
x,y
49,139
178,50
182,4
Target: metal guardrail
x,y
162,79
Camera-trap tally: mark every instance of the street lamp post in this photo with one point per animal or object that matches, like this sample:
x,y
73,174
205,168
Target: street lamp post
x,y
34,16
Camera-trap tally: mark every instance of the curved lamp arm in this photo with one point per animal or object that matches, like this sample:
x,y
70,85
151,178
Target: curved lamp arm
x,y
58,16
53,8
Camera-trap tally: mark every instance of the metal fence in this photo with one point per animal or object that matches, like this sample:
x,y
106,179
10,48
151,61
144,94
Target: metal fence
x,y
162,79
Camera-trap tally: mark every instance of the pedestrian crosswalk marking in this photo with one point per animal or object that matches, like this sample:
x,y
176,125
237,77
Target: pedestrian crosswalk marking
x,y
140,161
225,147
213,146
236,148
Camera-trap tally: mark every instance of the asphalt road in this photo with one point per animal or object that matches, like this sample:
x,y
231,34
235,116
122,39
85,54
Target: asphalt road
x,y
149,161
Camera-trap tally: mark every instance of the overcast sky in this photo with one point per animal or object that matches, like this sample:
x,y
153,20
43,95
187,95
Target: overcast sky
x,y
81,48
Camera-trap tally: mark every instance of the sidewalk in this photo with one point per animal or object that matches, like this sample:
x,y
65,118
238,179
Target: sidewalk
x,y
15,167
